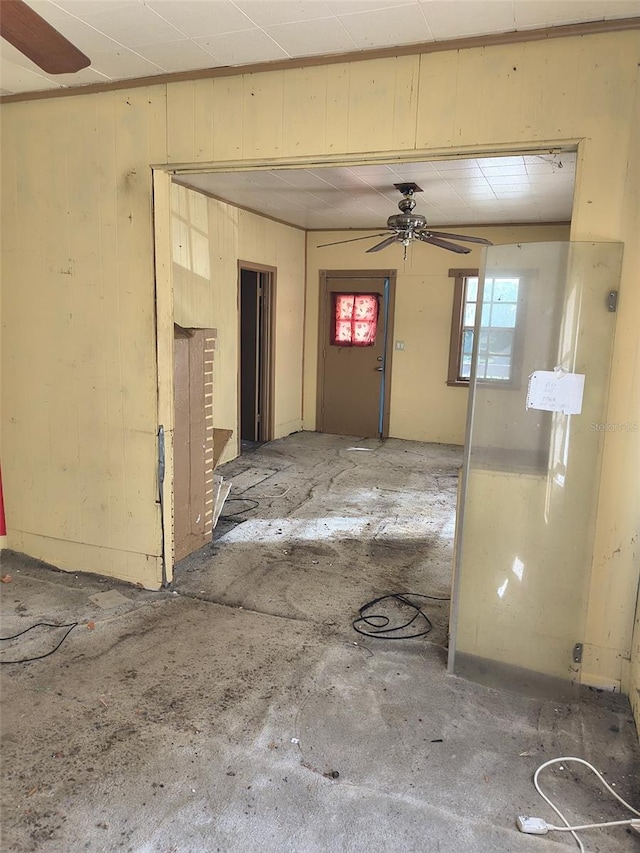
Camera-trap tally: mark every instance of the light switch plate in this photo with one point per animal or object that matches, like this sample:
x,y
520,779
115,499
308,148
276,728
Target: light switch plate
x,y
400,345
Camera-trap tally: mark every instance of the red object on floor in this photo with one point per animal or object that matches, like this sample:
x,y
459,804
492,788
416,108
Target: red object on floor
x,y
3,525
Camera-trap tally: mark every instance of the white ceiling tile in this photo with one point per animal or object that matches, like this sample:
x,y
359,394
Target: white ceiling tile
x,y
461,174
268,14
132,25
411,171
373,170
200,18
183,55
504,171
546,13
400,25
122,64
457,163
308,38
448,20
506,180
499,162
467,183
86,38
540,168
84,77
364,196
15,78
346,7
625,9
12,54
246,47
80,8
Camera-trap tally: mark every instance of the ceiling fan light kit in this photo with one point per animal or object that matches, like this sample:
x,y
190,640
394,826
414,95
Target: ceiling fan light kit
x,y
407,226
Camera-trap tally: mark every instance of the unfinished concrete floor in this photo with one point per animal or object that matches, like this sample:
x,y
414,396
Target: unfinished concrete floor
x,y
172,723
319,525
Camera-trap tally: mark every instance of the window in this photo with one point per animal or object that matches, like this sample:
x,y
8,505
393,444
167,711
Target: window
x,y
355,319
497,342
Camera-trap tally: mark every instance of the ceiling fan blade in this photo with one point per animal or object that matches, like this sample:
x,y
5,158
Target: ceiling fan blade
x,y
480,240
443,244
384,244
38,40
353,240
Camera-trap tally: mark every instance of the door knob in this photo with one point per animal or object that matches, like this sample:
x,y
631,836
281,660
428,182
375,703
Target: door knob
x,y
379,369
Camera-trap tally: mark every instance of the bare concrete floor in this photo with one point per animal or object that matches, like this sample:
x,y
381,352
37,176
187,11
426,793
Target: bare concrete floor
x,y
319,525
191,722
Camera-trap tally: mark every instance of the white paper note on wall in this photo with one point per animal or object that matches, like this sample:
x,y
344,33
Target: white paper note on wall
x,y
556,391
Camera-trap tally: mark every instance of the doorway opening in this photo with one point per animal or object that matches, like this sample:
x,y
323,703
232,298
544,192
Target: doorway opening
x,y
256,296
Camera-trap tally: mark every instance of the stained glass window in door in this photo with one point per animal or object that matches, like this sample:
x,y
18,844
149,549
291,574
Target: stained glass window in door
x,y
355,319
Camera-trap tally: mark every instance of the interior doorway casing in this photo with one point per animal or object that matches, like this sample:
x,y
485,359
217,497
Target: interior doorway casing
x,y
347,279
256,351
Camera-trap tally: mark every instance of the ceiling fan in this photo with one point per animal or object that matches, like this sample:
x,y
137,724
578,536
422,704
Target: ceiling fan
x,y
407,226
27,31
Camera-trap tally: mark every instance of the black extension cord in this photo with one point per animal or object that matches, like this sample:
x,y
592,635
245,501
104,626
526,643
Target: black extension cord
x,y
69,625
378,625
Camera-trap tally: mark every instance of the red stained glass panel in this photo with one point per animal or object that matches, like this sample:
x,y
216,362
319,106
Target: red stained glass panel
x,y
355,319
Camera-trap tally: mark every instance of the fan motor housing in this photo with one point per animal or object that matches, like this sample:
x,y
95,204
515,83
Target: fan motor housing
x,y
406,222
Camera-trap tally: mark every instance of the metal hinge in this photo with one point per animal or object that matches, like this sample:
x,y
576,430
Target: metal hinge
x,y
577,653
612,301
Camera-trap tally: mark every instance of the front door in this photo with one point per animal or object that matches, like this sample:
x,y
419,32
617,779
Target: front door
x,y
356,311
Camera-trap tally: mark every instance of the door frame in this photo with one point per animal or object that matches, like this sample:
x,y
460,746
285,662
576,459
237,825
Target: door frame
x,y
323,331
267,346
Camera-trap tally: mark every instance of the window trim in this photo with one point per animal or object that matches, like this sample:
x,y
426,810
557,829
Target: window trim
x,y
455,340
455,345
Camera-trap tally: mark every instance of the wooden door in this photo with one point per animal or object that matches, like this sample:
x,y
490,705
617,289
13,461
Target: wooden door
x,y
355,358
192,439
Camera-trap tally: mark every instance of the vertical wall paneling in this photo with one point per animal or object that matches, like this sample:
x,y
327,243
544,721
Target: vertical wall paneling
x,y
437,86
204,120
372,98
228,107
181,108
262,124
405,106
304,130
337,124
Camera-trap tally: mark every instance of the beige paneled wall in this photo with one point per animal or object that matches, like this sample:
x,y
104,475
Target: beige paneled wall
x,y
209,238
78,357
423,406
267,242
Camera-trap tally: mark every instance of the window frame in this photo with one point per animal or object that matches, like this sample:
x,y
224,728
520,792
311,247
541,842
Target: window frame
x,y
455,345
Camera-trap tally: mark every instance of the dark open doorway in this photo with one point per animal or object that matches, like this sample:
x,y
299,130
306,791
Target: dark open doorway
x,y
256,299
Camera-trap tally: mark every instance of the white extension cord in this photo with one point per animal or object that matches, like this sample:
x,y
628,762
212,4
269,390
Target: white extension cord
x,y
538,826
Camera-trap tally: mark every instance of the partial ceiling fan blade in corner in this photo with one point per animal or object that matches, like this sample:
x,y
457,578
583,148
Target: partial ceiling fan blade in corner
x,y
480,240
443,244
353,240
384,244
38,40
